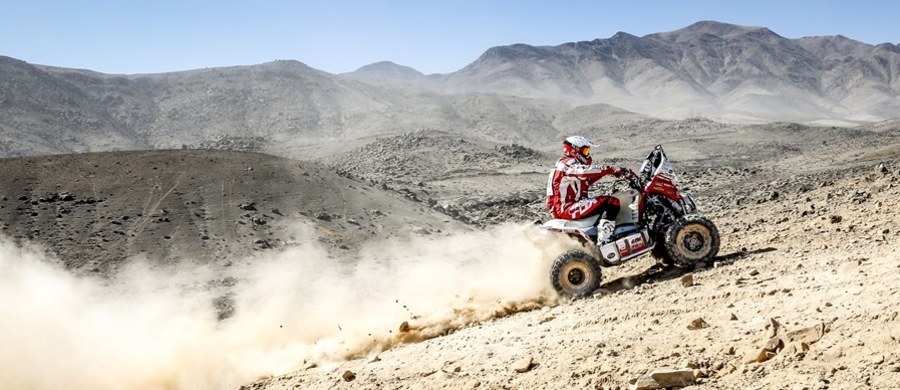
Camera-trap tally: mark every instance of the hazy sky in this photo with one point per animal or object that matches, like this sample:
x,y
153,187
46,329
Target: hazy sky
x,y
142,36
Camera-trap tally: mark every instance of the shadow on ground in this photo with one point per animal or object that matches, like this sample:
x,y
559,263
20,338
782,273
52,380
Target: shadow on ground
x,y
660,272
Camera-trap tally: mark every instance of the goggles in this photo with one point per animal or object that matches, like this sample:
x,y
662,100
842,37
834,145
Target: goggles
x,y
585,151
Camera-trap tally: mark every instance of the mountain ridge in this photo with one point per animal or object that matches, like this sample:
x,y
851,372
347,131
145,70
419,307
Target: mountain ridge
x,y
709,69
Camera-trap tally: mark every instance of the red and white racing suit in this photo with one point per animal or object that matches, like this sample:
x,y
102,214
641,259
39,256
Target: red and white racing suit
x,y
567,191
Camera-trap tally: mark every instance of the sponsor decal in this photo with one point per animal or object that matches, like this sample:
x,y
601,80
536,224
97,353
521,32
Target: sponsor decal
x,y
637,243
623,247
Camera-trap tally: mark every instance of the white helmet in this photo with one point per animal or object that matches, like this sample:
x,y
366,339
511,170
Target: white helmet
x,y
579,148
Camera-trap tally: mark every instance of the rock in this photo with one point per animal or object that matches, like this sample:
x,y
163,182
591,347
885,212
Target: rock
x,y
348,376
404,327
247,206
790,343
881,168
806,335
836,219
758,356
523,365
687,280
421,230
733,317
773,327
323,216
546,318
697,323
795,348
663,378
774,344
833,355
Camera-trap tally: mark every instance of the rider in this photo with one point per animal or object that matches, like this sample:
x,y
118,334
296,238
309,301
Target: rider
x,y
567,187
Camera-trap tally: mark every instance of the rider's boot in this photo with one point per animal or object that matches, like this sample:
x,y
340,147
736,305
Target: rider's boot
x,y
605,229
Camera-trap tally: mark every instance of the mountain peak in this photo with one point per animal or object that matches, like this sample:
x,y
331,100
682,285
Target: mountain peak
x,y
386,66
719,29
514,52
384,70
623,36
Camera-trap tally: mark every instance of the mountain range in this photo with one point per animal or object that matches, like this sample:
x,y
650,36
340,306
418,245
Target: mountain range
x,y
519,93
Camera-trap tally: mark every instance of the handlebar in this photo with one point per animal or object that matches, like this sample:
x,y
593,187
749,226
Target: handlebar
x,y
630,178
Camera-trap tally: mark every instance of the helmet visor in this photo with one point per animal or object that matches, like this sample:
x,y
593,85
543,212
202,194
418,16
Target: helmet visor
x,y
585,151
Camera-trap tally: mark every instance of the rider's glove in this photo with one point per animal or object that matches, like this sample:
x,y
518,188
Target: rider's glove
x,y
620,172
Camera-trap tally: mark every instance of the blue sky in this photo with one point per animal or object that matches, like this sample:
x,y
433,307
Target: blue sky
x,y
142,36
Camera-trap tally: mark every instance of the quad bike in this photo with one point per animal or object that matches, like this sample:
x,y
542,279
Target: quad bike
x,y
654,217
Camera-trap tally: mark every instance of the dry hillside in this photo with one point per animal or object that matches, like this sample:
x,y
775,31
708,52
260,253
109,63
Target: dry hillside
x,y
430,275
812,265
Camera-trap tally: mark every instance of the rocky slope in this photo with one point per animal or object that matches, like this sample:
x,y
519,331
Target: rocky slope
x,y
802,296
306,275
95,211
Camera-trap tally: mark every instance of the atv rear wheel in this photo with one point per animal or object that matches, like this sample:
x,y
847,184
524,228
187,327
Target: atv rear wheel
x,y
575,274
692,239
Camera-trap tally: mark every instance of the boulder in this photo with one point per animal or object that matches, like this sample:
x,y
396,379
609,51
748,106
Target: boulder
x,y
790,343
523,365
758,355
794,348
773,327
806,335
663,378
687,280
697,323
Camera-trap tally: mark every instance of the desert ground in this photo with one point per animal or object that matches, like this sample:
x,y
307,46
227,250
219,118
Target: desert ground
x,y
809,259
382,271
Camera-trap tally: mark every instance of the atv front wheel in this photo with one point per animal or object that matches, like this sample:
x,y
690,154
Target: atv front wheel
x,y
575,274
692,239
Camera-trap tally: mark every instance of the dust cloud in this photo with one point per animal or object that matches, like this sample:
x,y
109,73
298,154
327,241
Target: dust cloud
x,y
152,328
